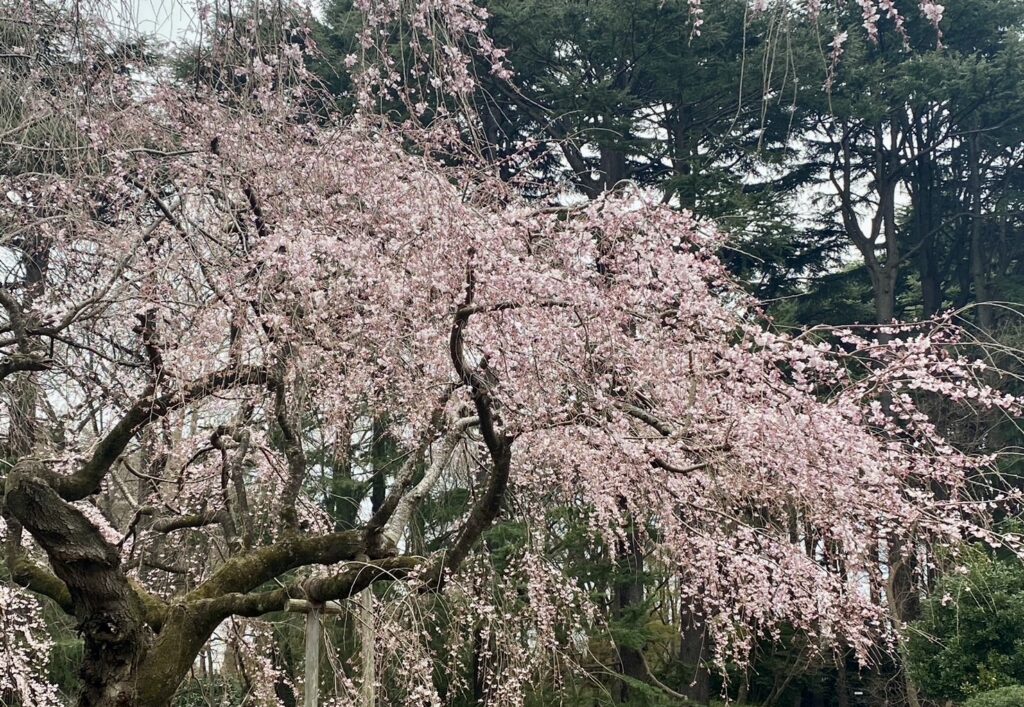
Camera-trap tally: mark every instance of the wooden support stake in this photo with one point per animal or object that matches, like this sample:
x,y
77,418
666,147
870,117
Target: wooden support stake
x,y
367,647
314,613
311,691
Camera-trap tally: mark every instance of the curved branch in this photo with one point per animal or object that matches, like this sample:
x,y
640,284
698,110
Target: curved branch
x,y
86,480
406,474
31,576
499,444
112,615
244,573
408,503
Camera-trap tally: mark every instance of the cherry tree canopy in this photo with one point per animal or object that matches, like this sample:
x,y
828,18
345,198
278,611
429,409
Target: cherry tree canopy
x,y
208,283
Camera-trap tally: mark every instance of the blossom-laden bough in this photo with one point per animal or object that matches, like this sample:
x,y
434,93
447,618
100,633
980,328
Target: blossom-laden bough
x,y
207,284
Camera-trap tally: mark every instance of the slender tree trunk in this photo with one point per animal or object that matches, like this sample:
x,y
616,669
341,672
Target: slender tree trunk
x,y
979,263
904,606
629,596
842,683
744,690
693,655
923,198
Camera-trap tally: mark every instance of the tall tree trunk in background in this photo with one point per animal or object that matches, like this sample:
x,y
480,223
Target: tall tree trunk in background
x,y
683,157
979,261
904,606
477,666
879,244
381,455
924,224
744,688
343,502
842,683
885,274
379,452
693,655
613,167
629,597
884,284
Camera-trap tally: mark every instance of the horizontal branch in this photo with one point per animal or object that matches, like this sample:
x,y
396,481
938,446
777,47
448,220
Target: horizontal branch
x,y
244,573
343,585
17,362
646,417
662,464
469,309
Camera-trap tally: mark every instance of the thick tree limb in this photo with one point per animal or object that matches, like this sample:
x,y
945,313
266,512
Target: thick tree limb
x,y
246,572
28,574
111,615
343,585
17,362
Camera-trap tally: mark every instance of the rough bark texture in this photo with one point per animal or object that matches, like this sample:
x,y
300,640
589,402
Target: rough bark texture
x,y
110,615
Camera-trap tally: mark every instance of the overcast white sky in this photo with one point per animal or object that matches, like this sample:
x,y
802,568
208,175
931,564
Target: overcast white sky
x,y
166,19
169,20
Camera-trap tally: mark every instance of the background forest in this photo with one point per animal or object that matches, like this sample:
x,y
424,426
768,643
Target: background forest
x,y
858,182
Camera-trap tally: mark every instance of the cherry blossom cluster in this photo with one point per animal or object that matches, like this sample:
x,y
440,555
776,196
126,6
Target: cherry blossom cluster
x,y
227,226
25,649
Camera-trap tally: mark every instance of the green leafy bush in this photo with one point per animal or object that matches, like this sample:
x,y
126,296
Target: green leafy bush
x,y
1012,696
970,638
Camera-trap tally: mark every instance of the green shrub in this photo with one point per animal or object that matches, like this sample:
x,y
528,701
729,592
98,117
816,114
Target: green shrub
x,y
1012,696
970,638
